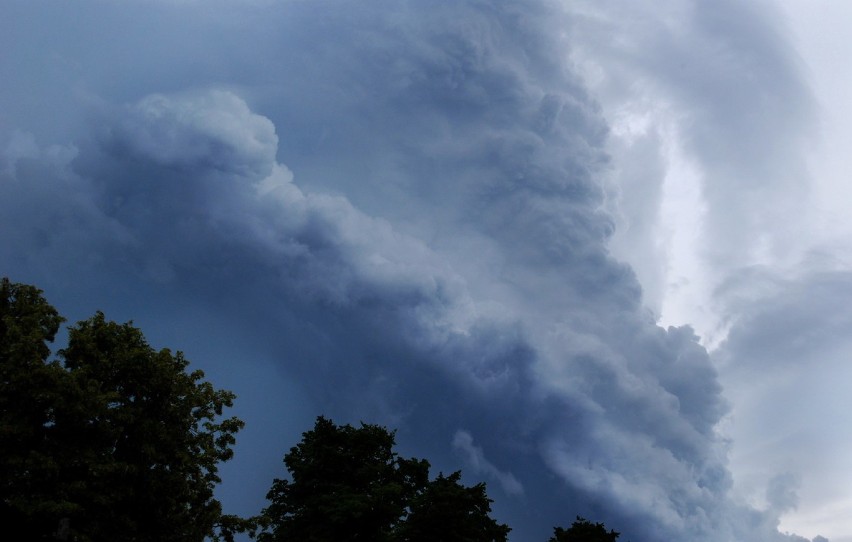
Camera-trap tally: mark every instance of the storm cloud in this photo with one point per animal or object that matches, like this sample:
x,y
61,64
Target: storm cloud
x,y
396,212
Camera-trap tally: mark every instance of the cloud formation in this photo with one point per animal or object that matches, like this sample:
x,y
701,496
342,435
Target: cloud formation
x,y
408,221
786,362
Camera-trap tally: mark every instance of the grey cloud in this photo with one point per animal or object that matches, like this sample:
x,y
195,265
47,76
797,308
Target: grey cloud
x,y
782,319
210,130
781,492
48,211
380,320
408,222
475,458
722,85
788,340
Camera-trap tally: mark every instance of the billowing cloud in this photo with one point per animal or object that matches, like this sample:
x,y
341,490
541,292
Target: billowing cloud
x,y
406,222
712,121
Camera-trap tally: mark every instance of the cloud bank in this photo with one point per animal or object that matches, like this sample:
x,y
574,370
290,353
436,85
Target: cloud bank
x,y
406,222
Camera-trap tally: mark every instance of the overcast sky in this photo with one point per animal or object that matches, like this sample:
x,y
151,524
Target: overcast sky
x,y
594,253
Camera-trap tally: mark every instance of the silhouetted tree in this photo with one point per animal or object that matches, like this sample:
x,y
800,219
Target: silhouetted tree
x,y
347,483
31,388
582,530
116,442
448,511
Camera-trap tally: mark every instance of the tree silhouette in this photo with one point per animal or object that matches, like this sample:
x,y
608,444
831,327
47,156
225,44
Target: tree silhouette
x,y
112,441
448,511
582,530
347,483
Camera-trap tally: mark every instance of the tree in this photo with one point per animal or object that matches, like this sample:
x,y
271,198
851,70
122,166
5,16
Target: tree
x,y
448,511
347,483
124,442
582,530
30,389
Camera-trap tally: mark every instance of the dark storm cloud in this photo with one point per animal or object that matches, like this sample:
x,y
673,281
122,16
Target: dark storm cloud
x,y
393,331
437,262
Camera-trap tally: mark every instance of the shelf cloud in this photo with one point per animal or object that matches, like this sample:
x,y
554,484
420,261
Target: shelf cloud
x,y
410,213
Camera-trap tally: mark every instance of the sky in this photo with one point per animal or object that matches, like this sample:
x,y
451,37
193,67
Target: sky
x,y
593,253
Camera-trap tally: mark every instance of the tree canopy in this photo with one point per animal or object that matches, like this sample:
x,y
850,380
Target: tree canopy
x,y
347,483
30,394
447,510
583,530
114,440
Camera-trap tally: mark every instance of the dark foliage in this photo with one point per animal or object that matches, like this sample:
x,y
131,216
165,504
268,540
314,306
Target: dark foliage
x,y
583,530
347,483
448,511
113,441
